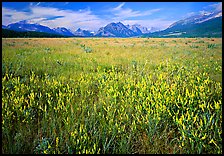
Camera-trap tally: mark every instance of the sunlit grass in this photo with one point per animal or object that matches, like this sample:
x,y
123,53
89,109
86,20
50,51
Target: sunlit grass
x,y
124,96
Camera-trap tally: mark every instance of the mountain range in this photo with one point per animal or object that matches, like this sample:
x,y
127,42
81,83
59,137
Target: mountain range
x,y
110,30
201,25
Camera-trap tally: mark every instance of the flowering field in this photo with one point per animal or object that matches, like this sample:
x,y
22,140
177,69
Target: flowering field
x,y
111,95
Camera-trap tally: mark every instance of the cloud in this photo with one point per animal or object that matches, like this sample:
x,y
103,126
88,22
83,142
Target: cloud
x,y
119,6
54,17
85,19
35,3
214,7
70,19
12,16
190,14
217,6
121,13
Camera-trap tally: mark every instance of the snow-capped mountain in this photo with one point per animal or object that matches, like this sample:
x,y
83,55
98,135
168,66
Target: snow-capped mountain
x,y
139,29
200,25
143,29
199,18
63,31
135,29
82,33
153,29
115,30
103,33
27,26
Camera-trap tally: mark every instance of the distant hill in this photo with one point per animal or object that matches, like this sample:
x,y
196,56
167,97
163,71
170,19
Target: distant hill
x,y
28,34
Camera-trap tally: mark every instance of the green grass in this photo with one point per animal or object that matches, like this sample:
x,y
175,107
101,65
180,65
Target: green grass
x,y
110,95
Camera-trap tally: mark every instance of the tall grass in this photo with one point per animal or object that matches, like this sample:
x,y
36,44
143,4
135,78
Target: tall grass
x,y
135,100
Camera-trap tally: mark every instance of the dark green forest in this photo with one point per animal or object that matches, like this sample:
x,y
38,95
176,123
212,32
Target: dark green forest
x,y
28,34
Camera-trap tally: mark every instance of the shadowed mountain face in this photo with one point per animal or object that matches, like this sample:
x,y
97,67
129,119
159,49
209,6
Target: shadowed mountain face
x,y
137,28
82,33
26,26
115,29
4,27
63,31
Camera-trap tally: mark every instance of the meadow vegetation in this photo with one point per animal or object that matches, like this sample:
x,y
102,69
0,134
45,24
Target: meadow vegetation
x,y
112,95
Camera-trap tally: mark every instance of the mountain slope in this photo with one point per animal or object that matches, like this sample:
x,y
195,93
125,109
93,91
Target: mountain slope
x,y
82,33
26,26
135,28
208,25
63,31
115,30
199,18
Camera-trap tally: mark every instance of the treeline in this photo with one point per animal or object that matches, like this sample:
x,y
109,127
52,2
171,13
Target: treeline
x,y
28,34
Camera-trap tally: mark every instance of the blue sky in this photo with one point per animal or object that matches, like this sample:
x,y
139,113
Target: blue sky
x,y
93,15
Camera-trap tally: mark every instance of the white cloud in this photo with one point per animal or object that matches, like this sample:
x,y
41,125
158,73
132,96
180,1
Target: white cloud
x,y
85,19
190,14
214,7
119,6
12,16
124,13
69,19
54,17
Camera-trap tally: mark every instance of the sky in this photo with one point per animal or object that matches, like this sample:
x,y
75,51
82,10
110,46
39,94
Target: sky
x,y
93,15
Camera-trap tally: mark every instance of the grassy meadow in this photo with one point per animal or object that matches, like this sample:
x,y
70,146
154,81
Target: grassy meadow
x,y
112,95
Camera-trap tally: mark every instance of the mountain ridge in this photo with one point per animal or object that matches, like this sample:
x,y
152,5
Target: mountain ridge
x,y
115,29
63,31
82,33
204,25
